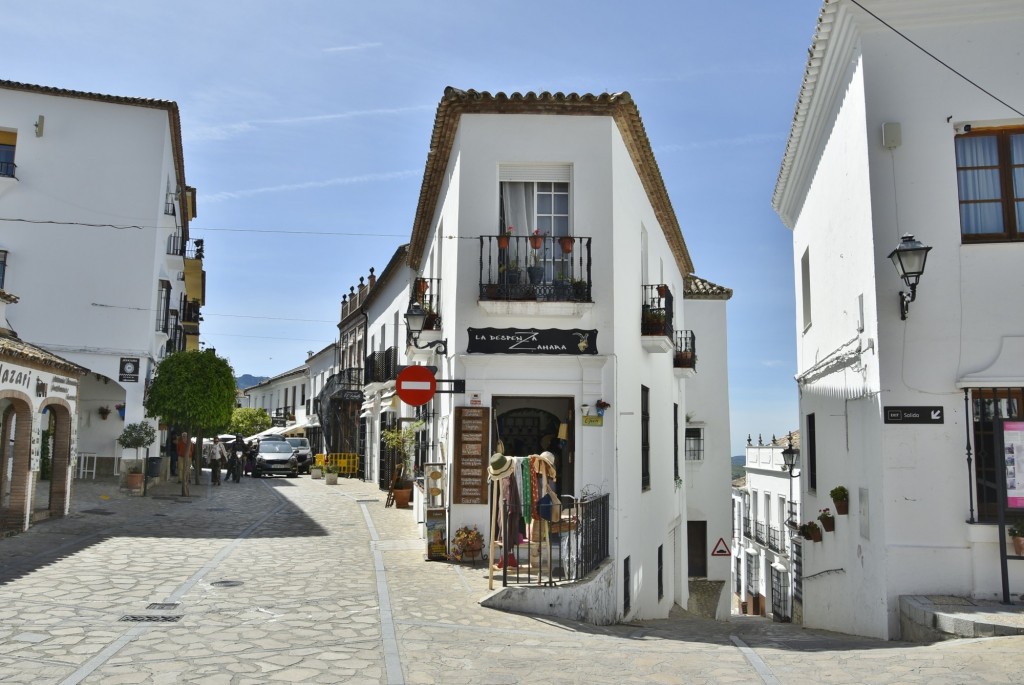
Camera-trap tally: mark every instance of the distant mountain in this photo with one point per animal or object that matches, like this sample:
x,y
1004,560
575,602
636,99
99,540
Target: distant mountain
x,y
738,463
247,381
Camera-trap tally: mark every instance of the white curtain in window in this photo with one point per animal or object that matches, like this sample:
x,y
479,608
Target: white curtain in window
x,y
519,211
979,185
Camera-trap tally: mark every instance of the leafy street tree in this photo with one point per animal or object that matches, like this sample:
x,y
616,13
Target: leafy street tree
x,y
194,391
247,421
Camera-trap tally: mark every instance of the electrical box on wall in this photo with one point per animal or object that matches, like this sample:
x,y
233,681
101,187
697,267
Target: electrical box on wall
x,y
892,135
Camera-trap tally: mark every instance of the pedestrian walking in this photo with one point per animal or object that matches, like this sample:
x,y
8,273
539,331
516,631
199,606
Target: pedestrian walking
x,y
218,456
184,448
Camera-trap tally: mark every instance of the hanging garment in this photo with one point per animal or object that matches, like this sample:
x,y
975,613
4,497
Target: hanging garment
x,y
527,492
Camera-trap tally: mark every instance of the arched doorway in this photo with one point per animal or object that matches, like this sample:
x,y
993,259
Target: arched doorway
x,y
15,474
56,415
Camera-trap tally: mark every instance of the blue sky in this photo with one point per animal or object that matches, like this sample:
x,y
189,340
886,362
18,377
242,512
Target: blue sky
x,y
306,127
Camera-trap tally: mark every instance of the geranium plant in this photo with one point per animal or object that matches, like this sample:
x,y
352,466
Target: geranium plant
x,y
825,513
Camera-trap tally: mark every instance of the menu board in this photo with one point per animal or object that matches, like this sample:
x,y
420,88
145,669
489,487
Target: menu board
x,y
472,437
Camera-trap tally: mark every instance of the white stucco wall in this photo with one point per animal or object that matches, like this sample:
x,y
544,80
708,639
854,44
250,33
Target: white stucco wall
x,y
908,483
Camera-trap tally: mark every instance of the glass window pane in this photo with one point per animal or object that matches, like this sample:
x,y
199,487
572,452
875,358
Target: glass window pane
x,y
543,187
561,225
1017,149
543,203
982,217
544,224
561,204
561,187
977,151
979,184
1020,214
1018,183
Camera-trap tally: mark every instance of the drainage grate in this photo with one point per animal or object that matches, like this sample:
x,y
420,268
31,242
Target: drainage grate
x,y
227,583
163,606
151,619
101,512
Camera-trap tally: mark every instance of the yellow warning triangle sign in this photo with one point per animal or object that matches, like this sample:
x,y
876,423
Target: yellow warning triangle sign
x,y
721,549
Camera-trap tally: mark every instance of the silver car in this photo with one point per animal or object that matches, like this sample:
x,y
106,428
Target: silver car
x,y
276,456
303,453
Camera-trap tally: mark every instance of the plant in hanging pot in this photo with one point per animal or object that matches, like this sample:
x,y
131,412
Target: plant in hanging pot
x,y
565,242
841,498
536,239
812,531
1016,532
120,410
828,521
104,412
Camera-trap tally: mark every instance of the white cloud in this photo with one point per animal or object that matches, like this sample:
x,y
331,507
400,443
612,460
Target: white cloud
x,y
226,131
349,180
353,48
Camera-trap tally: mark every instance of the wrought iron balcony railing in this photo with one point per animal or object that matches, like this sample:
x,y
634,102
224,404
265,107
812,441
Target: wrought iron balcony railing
x,y
381,366
176,245
541,267
656,311
427,291
686,350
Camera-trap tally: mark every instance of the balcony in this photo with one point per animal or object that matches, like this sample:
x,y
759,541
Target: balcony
x,y
381,367
539,268
427,291
7,170
656,333
176,245
684,361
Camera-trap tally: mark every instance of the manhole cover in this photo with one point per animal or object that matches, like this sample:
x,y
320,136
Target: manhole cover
x,y
163,606
150,619
101,512
227,583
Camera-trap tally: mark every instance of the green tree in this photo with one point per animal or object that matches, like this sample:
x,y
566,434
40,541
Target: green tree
x,y
248,421
194,391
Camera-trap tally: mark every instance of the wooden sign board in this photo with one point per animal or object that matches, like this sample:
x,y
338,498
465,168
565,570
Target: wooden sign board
x,y
472,445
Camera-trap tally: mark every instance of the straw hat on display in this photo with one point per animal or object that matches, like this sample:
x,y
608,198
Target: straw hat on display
x,y
499,466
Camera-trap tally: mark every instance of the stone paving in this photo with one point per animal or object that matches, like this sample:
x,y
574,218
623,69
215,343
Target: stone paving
x,y
293,581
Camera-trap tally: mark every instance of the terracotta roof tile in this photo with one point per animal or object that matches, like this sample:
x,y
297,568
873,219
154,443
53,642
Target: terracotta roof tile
x,y
697,288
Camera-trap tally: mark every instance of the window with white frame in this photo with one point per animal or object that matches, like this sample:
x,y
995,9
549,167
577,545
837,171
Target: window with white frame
x,y
536,200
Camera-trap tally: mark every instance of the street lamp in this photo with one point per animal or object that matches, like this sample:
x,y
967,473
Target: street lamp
x,y
790,455
414,318
909,258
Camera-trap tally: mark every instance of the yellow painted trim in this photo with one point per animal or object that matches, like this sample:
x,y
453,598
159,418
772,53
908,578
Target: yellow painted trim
x,y
8,138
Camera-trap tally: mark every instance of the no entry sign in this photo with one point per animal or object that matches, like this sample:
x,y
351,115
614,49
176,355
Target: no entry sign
x,y
415,385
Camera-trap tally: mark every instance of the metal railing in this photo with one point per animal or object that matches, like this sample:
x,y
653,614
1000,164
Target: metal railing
x,y
760,533
541,267
746,528
656,310
576,544
776,539
381,366
7,169
427,291
686,350
176,245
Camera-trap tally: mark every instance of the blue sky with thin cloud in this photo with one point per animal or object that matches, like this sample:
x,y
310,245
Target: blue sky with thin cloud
x,y
306,127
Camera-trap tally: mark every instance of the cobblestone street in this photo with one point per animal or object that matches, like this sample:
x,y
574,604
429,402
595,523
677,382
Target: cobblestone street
x,y
289,580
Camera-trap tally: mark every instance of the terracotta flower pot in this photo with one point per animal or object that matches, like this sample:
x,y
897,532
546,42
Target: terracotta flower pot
x,y
502,242
842,506
565,242
402,498
829,524
1018,546
536,241
134,481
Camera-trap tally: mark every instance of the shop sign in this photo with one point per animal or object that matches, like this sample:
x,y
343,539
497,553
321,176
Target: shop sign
x,y
437,544
592,420
129,370
532,341
913,415
15,377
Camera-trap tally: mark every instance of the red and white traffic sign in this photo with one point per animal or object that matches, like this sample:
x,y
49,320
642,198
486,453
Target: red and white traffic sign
x,y
415,385
721,549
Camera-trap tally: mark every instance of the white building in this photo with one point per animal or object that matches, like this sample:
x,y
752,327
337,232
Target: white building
x,y
766,577
285,397
904,412
598,309
95,240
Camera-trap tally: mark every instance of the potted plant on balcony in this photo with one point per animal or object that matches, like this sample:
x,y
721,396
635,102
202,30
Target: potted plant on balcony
x,y
510,272
652,321
535,272
841,498
504,237
683,359
537,239
580,290
1016,533
565,242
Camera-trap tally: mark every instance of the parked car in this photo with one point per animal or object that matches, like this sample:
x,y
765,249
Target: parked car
x,y
276,456
304,453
